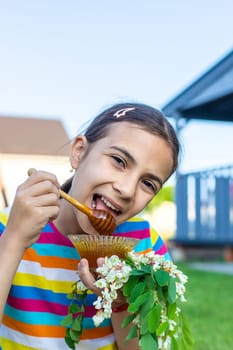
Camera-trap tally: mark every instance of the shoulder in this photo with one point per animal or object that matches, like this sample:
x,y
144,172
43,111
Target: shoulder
x,y
149,239
135,227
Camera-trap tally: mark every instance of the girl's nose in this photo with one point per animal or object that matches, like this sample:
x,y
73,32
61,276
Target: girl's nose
x,y
126,186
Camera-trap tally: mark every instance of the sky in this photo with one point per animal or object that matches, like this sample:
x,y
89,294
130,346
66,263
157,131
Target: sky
x,y
71,59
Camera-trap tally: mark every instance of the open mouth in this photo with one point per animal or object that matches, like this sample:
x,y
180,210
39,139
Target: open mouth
x,y
100,202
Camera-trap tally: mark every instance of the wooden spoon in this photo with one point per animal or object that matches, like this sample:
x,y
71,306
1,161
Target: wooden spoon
x,y
103,222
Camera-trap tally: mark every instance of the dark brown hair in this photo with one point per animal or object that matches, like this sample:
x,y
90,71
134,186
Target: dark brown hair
x,y
148,118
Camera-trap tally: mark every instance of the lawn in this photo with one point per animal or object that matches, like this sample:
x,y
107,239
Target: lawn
x,y
209,308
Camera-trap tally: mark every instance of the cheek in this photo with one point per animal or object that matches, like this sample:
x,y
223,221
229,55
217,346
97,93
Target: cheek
x,y
90,168
163,166
84,182
143,202
140,202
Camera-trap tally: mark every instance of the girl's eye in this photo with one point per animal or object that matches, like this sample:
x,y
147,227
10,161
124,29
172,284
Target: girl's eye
x,y
119,161
151,186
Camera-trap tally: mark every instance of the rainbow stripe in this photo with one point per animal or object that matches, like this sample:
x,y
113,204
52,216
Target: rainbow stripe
x,y
38,297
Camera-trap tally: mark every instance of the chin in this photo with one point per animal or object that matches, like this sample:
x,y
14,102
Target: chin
x,y
88,229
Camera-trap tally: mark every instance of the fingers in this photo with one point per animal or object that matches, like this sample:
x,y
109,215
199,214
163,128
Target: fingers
x,y
41,189
100,262
86,276
41,176
89,281
42,185
36,203
31,171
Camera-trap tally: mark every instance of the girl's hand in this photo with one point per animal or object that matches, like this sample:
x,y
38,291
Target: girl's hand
x,y
89,281
86,276
119,304
36,203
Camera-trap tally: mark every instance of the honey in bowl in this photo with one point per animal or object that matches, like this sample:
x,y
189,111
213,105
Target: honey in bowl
x,y
92,247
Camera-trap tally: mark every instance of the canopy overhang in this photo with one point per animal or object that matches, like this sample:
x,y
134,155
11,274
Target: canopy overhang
x,y
219,109
210,97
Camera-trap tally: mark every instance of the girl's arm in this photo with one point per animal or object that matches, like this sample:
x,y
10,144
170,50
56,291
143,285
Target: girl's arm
x,y
36,202
10,255
121,333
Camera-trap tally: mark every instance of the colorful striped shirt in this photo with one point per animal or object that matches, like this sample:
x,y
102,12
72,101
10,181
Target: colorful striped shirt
x,y
38,301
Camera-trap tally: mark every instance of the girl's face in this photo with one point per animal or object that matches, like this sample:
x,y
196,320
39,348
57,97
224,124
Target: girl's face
x,y
120,173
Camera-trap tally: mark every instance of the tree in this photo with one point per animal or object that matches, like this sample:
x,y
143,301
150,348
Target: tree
x,y
166,194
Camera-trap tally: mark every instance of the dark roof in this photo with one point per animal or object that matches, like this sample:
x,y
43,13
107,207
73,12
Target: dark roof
x,y
33,136
210,97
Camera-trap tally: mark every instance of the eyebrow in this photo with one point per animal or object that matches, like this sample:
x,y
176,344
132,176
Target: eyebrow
x,y
131,158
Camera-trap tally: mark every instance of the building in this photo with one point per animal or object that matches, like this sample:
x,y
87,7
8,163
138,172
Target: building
x,y
30,142
204,199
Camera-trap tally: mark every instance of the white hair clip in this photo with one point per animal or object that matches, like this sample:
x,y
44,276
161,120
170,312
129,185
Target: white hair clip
x,y
122,112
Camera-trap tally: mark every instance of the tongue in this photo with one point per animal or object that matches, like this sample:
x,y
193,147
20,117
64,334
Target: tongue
x,y
100,204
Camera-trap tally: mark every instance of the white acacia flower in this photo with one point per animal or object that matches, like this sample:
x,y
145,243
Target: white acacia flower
x,y
164,343
98,303
180,290
98,318
116,272
135,258
101,283
111,276
182,277
172,325
113,293
80,287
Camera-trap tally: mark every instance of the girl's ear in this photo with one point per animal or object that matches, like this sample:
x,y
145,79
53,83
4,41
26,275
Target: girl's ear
x,y
78,149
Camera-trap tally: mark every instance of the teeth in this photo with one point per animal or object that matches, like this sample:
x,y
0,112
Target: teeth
x,y
93,205
108,204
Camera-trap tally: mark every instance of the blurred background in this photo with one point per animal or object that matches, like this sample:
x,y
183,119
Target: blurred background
x,y
66,61
62,62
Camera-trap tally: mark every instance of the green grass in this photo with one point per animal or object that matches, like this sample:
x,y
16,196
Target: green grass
x,y
209,308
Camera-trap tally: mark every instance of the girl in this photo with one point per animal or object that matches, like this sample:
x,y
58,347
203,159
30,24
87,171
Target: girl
x,y
120,163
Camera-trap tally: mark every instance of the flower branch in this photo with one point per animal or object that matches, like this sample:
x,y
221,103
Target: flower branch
x,y
153,288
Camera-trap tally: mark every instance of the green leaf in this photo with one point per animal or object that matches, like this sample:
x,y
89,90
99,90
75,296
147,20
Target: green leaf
x,y
144,325
70,342
127,288
151,284
67,320
172,291
182,345
171,311
146,307
136,291
148,342
146,269
75,336
160,293
77,324
71,295
132,333
187,334
162,277
137,272
162,328
134,307
127,320
154,318
174,344
74,308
